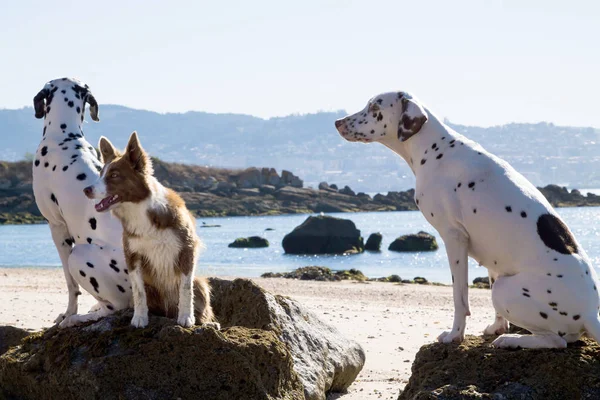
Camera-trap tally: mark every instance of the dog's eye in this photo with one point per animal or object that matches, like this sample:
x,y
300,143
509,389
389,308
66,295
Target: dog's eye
x,y
114,175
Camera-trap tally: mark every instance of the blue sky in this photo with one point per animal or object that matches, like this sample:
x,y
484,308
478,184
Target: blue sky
x,y
475,62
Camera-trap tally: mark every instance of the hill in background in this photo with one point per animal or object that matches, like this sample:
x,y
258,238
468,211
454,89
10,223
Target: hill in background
x,y
310,146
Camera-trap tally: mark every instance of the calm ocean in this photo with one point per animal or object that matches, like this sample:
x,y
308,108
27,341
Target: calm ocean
x,y
31,245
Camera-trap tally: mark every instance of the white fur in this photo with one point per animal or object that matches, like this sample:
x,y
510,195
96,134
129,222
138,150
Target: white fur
x,y
70,218
475,221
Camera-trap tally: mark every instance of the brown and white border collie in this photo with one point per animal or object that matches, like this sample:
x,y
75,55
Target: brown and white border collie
x,y
159,237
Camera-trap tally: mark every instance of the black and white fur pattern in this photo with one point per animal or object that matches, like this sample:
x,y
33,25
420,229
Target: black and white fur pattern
x,y
542,279
88,242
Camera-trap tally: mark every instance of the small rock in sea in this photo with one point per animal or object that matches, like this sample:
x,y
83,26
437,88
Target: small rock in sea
x,y
317,273
420,280
422,241
250,242
374,242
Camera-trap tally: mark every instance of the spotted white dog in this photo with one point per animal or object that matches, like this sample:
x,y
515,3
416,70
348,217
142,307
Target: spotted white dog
x,y
88,242
542,278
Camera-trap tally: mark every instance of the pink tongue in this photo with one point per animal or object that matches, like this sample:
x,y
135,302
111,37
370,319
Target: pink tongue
x,y
103,205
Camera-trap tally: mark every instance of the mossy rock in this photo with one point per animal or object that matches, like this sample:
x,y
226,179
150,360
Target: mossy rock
x,y
112,360
317,273
475,370
11,336
251,242
270,348
422,241
374,242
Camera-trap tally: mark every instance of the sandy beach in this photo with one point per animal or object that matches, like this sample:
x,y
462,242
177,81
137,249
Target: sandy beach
x,y
391,321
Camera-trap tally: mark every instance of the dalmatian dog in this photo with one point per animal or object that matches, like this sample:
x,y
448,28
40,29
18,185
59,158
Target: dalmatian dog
x,y
542,278
88,242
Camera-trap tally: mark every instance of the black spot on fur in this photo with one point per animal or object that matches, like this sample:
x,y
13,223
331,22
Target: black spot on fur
x,y
120,288
440,156
114,267
111,308
508,209
555,234
69,241
523,214
549,291
543,315
81,177
63,126
70,104
94,283
89,240
82,273
559,276
553,304
37,162
92,222
561,334
432,214
44,151
126,271
471,184
526,295
89,264
66,167
525,290
54,168
53,198
576,317
474,211
423,161
564,313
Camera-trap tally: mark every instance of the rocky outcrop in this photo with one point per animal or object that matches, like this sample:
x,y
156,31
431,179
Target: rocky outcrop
x,y
475,370
374,242
422,241
482,282
324,235
316,273
251,242
269,347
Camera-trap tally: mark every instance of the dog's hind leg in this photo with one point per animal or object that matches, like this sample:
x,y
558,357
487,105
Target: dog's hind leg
x,y
500,324
523,299
457,244
592,327
63,242
101,271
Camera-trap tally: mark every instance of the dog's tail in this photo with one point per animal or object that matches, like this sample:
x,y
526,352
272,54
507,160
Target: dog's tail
x,y
592,327
202,309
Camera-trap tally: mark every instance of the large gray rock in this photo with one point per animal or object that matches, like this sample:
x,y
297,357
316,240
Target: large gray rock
x,y
324,235
475,370
269,347
374,242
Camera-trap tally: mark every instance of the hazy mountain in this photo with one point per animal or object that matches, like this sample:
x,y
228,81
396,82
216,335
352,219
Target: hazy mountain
x,y
309,146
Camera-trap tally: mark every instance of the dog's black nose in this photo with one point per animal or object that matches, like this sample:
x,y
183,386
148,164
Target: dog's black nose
x,y
88,191
339,123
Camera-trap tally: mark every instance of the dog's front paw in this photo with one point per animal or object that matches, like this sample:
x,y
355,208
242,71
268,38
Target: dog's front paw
x,y
186,320
451,336
139,321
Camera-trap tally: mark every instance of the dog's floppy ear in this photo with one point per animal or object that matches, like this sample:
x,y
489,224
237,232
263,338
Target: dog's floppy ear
x,y
39,103
91,100
107,150
412,118
137,157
